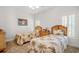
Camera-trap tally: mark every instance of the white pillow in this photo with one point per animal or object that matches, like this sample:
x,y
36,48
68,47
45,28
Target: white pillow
x,y
58,32
55,32
61,32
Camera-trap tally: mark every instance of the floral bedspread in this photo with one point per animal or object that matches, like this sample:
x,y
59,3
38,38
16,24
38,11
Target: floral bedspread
x,y
50,42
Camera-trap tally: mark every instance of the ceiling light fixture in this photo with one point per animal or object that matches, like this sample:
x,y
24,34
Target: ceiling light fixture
x,y
34,7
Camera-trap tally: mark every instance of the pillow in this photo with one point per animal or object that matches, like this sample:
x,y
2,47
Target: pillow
x,y
61,32
58,32
55,32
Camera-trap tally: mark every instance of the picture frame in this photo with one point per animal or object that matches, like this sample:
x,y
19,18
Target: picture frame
x,y
22,22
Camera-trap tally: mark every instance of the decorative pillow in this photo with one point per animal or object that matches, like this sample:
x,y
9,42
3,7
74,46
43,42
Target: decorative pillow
x,y
19,40
58,32
55,32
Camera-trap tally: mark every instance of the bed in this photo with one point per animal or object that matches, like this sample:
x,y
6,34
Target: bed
x,y
56,41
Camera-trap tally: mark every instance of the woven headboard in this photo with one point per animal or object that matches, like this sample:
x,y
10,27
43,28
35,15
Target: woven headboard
x,y
59,27
42,31
38,28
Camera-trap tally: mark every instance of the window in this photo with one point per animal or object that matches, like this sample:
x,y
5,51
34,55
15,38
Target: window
x,y
69,22
37,23
64,21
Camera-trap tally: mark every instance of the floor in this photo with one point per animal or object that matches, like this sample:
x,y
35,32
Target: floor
x,y
71,49
12,47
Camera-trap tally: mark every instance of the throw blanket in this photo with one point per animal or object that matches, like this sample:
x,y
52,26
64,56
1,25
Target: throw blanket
x,y
58,42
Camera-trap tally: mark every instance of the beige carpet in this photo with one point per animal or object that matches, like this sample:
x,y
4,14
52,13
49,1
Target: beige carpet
x,y
71,49
12,47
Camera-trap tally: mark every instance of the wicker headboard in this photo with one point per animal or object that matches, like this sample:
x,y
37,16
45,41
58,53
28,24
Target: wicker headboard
x,y
59,27
38,28
42,31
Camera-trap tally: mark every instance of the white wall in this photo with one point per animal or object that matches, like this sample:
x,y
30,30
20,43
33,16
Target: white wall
x,y
9,21
53,17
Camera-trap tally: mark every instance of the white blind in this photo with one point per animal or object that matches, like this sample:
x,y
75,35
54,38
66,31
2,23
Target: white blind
x,y
64,20
69,22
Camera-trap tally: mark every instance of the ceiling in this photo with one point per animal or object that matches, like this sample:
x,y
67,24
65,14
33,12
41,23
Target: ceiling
x,y
27,9
33,11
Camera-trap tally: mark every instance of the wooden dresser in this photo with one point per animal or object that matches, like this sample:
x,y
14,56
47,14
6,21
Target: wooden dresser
x,y
2,41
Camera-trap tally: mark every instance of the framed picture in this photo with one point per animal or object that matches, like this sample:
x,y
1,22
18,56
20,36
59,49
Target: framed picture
x,y
22,22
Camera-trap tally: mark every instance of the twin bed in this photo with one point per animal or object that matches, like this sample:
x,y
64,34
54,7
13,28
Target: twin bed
x,y
54,41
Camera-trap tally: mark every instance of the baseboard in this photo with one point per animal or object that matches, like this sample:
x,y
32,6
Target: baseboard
x,y
9,40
